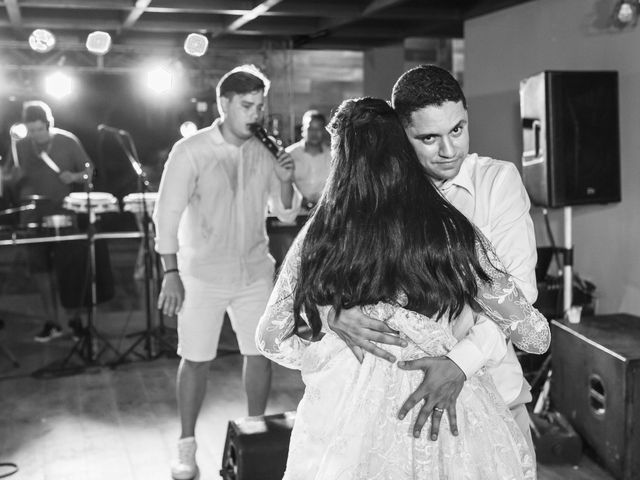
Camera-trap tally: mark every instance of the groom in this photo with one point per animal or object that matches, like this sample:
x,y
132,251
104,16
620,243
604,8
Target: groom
x,y
433,110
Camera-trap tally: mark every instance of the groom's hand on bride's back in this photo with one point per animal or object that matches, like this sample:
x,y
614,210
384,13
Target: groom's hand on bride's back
x,y
360,331
442,383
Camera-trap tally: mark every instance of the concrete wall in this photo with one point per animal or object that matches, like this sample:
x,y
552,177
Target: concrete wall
x,y
507,46
382,67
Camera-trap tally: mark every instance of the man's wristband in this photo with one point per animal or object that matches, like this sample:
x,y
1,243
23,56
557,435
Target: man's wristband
x,y
171,270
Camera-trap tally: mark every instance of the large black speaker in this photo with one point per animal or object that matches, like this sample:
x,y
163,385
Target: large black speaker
x,y
571,144
257,447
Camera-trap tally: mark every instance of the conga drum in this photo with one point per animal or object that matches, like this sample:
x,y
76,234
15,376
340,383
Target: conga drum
x,y
90,205
98,202
135,203
72,258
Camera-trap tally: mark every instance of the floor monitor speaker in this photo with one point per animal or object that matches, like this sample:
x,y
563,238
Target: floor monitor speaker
x,y
595,384
257,447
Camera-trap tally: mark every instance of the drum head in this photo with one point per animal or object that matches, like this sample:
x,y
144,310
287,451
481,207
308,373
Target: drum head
x,y
29,198
133,201
100,202
93,196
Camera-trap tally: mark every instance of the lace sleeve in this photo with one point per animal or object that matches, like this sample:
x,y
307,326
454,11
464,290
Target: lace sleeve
x,y
504,303
274,334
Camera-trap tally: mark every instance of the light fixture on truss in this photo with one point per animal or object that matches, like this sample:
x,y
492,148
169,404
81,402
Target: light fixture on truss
x,y
41,40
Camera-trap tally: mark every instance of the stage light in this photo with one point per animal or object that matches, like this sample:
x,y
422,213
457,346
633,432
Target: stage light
x,y
188,128
160,80
626,13
196,44
98,43
201,106
18,131
58,85
41,40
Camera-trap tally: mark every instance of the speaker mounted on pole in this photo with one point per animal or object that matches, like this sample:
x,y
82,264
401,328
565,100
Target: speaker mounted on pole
x,y
571,139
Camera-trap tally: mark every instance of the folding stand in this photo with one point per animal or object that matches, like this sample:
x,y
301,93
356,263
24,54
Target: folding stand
x,y
542,380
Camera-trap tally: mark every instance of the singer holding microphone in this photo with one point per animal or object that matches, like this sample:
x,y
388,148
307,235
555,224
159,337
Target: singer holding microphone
x,y
210,232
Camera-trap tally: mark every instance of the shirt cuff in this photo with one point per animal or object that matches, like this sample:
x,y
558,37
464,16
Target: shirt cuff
x,y
466,356
166,247
288,215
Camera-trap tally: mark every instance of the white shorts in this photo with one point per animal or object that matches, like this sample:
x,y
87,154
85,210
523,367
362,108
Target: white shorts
x,y
202,313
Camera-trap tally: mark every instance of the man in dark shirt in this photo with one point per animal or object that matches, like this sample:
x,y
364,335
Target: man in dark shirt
x,y
49,162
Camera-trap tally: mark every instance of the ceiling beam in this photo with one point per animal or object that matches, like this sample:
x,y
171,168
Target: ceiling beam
x,y
374,7
13,11
240,7
81,27
135,13
484,7
258,10
420,13
332,8
78,4
328,9
327,27
377,5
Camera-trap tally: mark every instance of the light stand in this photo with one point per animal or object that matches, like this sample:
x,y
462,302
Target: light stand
x,y
542,380
150,333
567,264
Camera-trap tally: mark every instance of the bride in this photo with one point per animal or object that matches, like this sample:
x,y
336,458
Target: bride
x,y
384,239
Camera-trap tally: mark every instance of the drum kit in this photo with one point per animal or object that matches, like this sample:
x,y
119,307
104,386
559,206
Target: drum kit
x,y
80,219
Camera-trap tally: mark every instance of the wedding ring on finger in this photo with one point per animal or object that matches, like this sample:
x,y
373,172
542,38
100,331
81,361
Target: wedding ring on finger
x,y
438,409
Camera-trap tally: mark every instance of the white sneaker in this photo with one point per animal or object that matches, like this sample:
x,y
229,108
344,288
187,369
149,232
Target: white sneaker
x,y
184,467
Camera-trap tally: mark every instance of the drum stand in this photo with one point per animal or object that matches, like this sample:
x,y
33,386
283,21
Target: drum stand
x,y
91,344
88,347
152,337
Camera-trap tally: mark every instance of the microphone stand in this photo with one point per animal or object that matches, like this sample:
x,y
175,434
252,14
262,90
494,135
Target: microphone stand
x,y
150,332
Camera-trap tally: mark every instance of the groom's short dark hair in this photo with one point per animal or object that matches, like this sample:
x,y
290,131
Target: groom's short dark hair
x,y
424,86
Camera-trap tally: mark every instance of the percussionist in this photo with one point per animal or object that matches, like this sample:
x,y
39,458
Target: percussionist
x,y
45,167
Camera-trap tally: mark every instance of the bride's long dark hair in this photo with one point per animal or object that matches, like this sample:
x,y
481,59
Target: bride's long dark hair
x,y
381,227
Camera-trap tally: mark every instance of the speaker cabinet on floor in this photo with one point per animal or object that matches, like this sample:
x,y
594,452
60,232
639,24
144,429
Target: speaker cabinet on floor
x,y
595,383
257,447
571,144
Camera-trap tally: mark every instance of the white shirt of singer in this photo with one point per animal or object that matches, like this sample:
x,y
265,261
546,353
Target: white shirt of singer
x,y
212,207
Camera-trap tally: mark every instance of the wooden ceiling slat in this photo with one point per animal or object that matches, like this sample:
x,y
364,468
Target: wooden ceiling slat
x,y
248,17
135,13
13,11
375,6
77,4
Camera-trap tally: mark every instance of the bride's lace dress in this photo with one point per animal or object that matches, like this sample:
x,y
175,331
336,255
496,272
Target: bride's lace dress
x,y
346,424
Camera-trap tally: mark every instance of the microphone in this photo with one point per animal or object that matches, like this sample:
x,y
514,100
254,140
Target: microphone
x,y
266,140
106,128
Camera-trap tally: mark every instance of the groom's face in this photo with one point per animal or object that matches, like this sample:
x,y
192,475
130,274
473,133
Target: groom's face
x,y
440,137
